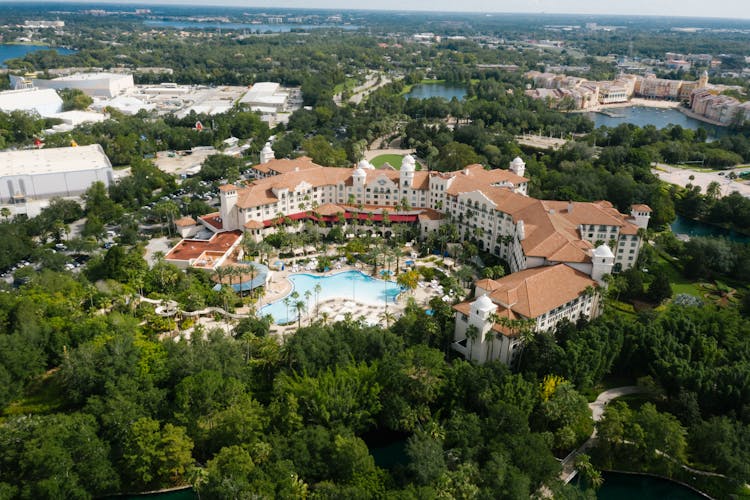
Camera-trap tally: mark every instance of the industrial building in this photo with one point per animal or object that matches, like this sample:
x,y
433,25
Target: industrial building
x,y
44,102
35,174
103,85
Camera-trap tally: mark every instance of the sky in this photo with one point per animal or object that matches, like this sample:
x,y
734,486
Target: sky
x,y
693,8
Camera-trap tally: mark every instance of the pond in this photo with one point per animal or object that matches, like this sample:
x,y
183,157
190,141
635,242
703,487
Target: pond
x,y
182,494
682,225
660,118
12,51
445,90
619,486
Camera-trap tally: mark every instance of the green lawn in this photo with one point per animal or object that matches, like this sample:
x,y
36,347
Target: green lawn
x,y
41,397
680,284
394,160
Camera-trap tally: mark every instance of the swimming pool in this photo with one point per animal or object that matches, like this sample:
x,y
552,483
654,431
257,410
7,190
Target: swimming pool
x,y
347,285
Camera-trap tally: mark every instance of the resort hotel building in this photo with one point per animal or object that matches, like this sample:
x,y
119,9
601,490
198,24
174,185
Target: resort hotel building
x,y
558,252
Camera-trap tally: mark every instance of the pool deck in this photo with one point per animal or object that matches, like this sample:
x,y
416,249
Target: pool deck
x,y
280,287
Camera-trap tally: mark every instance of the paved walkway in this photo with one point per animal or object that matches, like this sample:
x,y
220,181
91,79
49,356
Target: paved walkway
x,y
597,411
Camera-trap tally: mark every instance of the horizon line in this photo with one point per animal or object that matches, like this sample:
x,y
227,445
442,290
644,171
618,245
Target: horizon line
x,y
224,4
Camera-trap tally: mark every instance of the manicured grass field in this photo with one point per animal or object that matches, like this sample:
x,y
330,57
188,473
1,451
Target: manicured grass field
x,y
680,284
394,160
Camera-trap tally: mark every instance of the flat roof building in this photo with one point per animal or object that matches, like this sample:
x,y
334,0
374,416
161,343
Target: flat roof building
x,y
44,173
101,84
45,102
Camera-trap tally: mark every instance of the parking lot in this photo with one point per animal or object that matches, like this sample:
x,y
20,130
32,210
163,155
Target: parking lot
x,y
681,177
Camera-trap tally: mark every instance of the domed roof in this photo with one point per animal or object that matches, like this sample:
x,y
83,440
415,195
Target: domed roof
x,y
603,251
267,148
366,165
359,172
517,161
408,164
484,303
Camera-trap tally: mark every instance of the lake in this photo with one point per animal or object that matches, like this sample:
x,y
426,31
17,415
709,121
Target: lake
x,y
682,225
618,486
12,51
445,90
660,118
261,28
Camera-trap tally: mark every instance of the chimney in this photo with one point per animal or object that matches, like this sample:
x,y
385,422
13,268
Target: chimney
x,y
570,207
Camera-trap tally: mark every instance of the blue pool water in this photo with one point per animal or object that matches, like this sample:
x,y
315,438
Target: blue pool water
x,y
347,285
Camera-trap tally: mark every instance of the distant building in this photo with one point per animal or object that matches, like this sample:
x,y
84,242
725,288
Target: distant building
x,y
35,174
41,24
105,85
270,100
44,102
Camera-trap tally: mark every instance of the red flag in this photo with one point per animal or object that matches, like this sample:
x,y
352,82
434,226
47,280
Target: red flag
x,y
198,126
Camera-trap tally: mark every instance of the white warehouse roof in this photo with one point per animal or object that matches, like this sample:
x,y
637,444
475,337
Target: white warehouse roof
x,y
46,102
53,160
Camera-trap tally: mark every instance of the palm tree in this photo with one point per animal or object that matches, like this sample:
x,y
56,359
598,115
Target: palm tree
x,y
472,333
525,330
308,294
299,308
317,289
287,303
325,317
387,317
493,318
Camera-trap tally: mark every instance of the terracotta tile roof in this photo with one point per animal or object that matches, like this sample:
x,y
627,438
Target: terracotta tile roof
x,y
463,307
430,214
191,249
184,221
260,192
329,209
487,284
285,165
642,208
533,292
254,224
228,187
213,219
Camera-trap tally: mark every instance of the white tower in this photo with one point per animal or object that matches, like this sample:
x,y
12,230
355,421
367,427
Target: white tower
x,y
641,214
359,176
518,167
479,317
408,166
703,80
228,211
603,260
266,154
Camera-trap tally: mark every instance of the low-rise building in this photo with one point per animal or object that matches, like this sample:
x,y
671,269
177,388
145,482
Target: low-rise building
x,y
491,326
34,174
104,85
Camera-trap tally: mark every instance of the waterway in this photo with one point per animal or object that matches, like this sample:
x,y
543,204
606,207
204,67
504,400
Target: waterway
x,y
618,486
681,225
251,28
660,118
444,90
12,51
